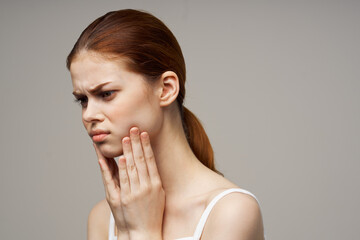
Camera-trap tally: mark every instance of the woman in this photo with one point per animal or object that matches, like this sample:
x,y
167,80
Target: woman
x,y
128,74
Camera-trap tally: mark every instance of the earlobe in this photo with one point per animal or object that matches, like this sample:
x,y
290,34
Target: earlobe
x,y
170,88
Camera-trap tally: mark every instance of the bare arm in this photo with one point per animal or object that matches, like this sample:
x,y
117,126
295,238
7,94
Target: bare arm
x,y
98,221
235,217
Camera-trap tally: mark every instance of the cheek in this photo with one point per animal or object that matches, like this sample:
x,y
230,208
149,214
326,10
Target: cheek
x,y
149,120
140,113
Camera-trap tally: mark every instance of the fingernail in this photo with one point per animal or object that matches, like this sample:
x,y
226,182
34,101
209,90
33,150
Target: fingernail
x,y
144,135
126,140
135,131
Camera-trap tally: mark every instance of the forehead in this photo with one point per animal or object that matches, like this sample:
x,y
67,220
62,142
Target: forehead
x,y
89,70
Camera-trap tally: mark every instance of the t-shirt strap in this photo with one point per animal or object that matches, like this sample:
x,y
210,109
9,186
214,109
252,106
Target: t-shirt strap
x,y
204,216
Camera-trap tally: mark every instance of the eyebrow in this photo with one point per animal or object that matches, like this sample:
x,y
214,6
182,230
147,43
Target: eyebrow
x,y
92,89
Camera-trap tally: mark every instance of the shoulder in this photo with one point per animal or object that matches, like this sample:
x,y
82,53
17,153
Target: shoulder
x,y
98,221
235,216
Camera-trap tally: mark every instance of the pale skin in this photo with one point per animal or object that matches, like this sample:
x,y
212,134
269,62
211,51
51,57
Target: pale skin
x,y
159,189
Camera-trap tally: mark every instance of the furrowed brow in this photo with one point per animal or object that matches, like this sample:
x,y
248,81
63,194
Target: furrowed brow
x,y
92,90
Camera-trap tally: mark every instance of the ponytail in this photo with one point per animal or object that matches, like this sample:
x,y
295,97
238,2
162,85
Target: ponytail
x,y
198,139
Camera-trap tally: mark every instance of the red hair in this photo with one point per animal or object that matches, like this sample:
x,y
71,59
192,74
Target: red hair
x,y
149,48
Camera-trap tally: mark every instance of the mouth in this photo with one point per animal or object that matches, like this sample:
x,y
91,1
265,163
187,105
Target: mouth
x,y
99,137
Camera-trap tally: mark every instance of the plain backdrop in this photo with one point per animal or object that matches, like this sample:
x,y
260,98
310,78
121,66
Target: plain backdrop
x,y
275,83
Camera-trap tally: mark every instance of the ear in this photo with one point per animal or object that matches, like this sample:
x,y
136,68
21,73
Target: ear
x,y
169,88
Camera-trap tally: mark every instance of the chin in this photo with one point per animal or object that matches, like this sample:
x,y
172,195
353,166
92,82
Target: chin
x,y
110,151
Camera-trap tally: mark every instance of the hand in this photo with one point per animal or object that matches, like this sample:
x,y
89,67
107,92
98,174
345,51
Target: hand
x,y
110,177
139,205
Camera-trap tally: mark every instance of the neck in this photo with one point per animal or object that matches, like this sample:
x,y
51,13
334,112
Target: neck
x,y
177,165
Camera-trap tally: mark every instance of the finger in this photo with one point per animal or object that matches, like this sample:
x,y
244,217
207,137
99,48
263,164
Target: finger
x,y
111,162
150,159
101,163
139,157
114,170
107,194
123,176
130,165
107,176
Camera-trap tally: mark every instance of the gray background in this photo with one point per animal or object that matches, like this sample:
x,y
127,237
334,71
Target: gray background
x,y
283,76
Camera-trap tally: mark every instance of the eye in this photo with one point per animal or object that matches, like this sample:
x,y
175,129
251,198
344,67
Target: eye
x,y
82,101
107,94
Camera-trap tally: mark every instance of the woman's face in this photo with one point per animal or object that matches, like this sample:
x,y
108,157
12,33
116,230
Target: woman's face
x,y
113,99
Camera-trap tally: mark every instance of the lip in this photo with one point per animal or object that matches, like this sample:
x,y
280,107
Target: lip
x,y
99,137
97,132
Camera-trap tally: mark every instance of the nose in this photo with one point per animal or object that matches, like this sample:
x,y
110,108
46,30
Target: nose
x,y
92,112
